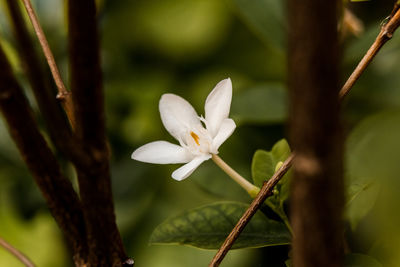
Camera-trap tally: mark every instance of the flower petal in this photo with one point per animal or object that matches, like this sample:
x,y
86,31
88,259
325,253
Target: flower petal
x,y
177,115
187,169
218,104
162,152
226,130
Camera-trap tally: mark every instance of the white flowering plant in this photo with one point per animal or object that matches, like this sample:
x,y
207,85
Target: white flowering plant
x,y
199,140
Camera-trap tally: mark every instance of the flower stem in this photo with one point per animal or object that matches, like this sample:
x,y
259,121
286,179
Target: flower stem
x,y
249,187
285,219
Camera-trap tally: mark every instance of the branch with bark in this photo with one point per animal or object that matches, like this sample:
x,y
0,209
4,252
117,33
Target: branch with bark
x,y
57,190
57,125
89,222
105,243
317,190
63,95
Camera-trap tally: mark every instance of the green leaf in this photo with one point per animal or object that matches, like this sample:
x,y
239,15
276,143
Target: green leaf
x,y
178,28
264,162
371,158
262,167
361,199
262,104
12,54
360,260
208,226
281,150
265,18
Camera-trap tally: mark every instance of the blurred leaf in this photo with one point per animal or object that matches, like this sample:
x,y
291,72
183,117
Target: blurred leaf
x,y
352,260
181,29
265,18
357,47
360,260
182,256
208,226
8,148
35,238
361,199
263,104
371,158
12,54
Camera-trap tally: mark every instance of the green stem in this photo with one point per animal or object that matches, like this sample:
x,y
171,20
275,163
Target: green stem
x,y
281,213
246,185
285,219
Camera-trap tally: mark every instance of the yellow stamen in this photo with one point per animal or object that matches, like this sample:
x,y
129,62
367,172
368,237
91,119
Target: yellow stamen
x,y
195,137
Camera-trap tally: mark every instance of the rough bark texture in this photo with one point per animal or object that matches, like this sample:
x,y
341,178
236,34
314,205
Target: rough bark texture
x,y
317,188
45,94
57,190
105,244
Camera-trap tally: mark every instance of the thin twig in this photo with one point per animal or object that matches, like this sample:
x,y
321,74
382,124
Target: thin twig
x,y
395,8
385,34
18,254
266,191
63,94
58,126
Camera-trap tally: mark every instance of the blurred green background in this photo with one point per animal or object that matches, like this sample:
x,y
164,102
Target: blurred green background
x,y
152,47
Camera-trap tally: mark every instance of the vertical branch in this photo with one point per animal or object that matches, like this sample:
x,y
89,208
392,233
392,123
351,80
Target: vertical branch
x,y
63,95
59,129
105,244
36,76
317,187
57,190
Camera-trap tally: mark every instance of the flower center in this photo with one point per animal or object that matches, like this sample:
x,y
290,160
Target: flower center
x,y
197,141
195,138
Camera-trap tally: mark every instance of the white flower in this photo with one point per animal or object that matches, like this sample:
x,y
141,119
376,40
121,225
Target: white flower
x,y
197,143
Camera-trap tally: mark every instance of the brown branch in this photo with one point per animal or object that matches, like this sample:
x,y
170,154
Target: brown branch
x,y
317,187
396,7
105,243
57,190
18,254
63,95
88,152
266,191
59,129
394,21
386,33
